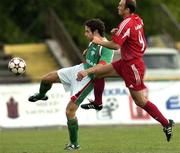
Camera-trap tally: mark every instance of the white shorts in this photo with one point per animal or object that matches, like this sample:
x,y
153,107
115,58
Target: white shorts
x,y
68,78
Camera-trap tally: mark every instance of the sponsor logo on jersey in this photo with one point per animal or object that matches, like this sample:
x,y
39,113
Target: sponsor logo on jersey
x,y
90,63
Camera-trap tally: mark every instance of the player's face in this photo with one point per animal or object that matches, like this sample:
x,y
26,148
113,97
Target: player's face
x,y
88,33
121,7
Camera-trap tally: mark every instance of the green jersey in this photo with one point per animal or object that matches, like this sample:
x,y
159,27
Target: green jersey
x,y
95,54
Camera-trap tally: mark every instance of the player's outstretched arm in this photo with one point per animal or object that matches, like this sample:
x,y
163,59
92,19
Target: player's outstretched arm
x,y
107,44
86,72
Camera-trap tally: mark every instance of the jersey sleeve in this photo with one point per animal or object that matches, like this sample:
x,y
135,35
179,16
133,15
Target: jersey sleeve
x,y
122,33
106,56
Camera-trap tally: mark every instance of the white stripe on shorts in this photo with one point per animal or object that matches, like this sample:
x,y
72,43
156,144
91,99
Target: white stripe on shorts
x,y
136,74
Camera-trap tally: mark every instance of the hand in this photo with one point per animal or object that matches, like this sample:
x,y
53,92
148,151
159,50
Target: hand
x,y
81,75
114,30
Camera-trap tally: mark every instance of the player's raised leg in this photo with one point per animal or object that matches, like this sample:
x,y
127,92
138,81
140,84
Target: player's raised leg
x,y
45,85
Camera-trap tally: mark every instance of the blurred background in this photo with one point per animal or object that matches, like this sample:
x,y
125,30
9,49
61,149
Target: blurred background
x,y
53,31
49,35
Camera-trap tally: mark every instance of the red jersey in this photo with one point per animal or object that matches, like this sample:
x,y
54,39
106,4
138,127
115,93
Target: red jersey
x,y
130,36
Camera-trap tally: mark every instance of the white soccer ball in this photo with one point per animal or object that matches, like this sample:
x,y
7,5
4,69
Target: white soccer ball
x,y
17,66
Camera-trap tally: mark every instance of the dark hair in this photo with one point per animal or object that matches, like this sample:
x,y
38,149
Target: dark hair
x,y
131,4
96,24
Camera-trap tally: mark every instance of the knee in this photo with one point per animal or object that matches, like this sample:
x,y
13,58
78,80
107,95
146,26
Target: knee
x,y
46,78
140,102
51,77
71,111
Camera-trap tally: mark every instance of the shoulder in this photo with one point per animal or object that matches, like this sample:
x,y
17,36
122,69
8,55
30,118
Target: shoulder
x,y
126,23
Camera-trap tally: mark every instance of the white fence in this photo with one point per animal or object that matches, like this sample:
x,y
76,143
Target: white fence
x,y
16,111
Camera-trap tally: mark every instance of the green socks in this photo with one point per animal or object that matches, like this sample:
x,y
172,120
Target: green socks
x,y
73,130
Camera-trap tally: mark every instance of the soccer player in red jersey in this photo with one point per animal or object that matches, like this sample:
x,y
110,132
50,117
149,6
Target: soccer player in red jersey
x,y
129,38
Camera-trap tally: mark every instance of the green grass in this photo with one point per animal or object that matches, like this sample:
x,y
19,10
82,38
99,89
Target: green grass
x,y
111,139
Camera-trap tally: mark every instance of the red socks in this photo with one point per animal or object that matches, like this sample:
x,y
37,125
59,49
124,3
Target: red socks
x,y
98,90
152,110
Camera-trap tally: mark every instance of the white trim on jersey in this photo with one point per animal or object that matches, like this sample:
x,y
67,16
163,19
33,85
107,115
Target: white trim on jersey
x,y
90,44
127,33
122,25
112,55
99,52
104,39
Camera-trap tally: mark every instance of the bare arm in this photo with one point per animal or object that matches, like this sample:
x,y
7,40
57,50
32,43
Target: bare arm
x,y
86,72
108,44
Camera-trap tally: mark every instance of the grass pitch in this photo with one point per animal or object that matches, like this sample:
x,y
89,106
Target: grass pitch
x,y
108,139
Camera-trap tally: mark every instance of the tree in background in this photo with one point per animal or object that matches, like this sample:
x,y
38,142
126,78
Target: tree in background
x,y
24,21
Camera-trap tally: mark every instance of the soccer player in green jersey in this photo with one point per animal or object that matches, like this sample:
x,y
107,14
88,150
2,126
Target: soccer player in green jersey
x,y
95,56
